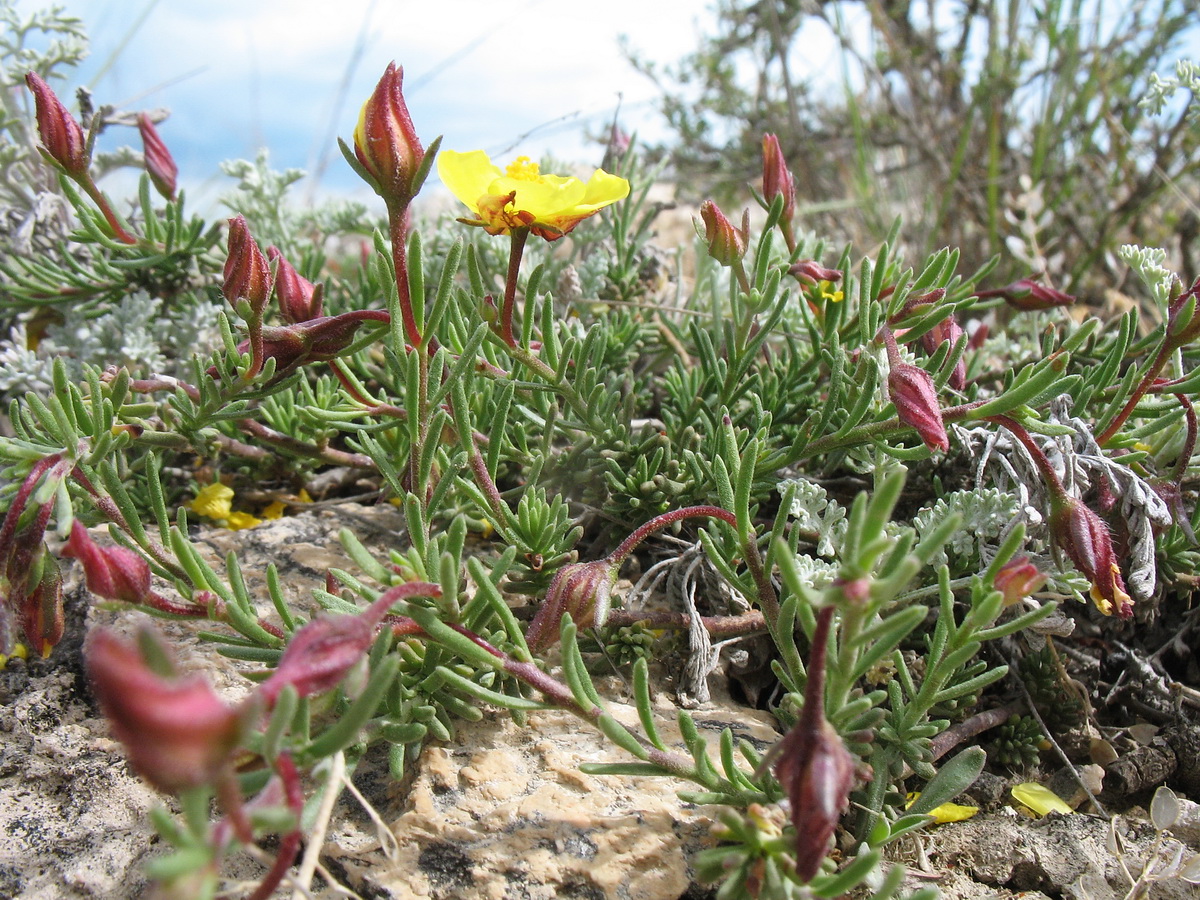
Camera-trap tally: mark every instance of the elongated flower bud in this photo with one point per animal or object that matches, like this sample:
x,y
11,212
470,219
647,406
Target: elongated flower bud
x,y
114,573
299,299
911,389
321,653
178,733
61,135
1017,579
386,142
160,165
726,244
1028,295
247,273
810,272
582,589
1084,537
777,178
947,331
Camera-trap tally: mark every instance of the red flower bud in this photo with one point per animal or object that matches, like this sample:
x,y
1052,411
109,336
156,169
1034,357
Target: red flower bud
x,y
160,166
1017,579
1084,537
320,654
947,330
386,142
810,272
911,389
39,596
814,766
726,244
247,274
1028,295
299,299
62,137
582,589
316,340
114,573
777,178
817,771
178,733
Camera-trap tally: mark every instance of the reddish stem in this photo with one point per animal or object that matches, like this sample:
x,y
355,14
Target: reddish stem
x,y
398,231
516,251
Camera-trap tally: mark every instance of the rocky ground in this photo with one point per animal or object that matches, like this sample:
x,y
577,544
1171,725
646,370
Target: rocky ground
x,y
503,812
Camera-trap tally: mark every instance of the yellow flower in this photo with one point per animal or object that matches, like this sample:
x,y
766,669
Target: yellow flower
x,y
1040,799
522,197
238,520
828,293
213,501
273,510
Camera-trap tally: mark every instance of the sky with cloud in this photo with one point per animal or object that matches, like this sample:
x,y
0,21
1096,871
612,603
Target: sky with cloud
x,y
509,76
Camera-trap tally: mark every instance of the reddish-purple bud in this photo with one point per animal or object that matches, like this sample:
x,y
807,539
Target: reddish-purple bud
x,y
114,573
1082,535
1027,295
582,589
160,165
911,389
178,733
299,299
947,330
777,178
62,137
1017,579
810,272
386,142
817,771
39,597
726,244
321,653
317,340
247,273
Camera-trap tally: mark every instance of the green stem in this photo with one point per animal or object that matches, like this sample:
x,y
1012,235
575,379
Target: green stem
x,y
114,223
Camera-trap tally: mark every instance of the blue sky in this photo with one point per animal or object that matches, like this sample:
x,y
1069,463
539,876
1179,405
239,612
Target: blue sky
x,y
509,76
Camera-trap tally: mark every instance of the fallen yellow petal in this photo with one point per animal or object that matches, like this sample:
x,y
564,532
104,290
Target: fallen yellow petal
x,y
947,812
273,510
1040,799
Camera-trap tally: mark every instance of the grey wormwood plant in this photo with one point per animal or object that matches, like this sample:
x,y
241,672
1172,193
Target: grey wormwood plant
x,y
817,433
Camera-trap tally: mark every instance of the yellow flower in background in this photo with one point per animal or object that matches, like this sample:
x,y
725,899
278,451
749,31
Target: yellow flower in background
x,y
522,197
1040,799
236,521
214,501
273,510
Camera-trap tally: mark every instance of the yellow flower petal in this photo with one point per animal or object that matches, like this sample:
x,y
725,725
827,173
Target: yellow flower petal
x,y
522,197
273,510
947,812
239,520
213,501
1040,799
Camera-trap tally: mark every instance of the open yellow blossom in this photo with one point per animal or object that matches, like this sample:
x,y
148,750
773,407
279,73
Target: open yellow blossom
x,y
522,197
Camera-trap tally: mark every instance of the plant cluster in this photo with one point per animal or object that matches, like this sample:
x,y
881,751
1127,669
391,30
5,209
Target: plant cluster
x,y
881,486
1006,106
